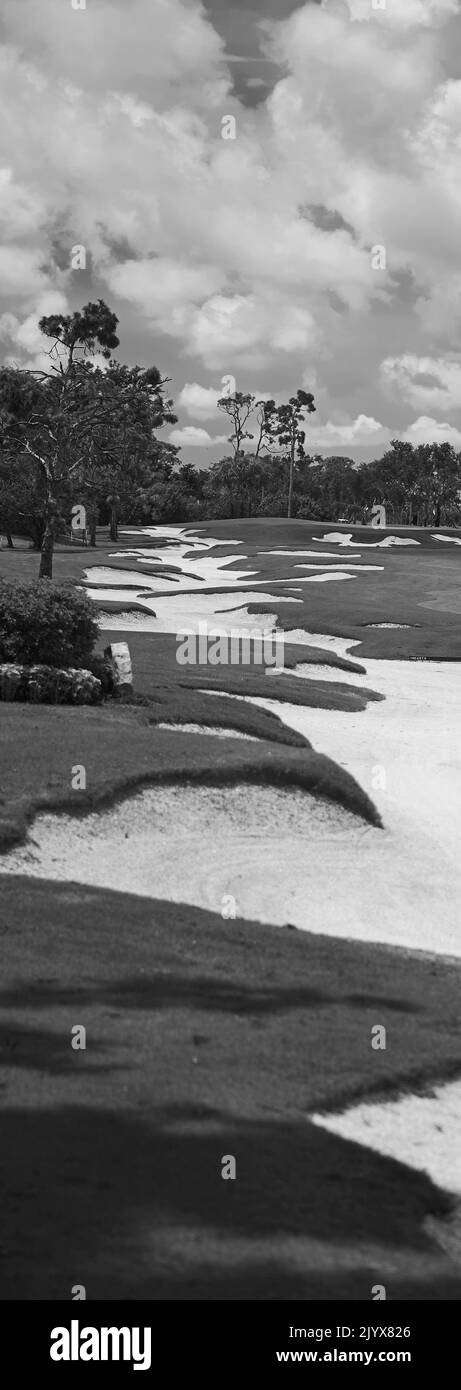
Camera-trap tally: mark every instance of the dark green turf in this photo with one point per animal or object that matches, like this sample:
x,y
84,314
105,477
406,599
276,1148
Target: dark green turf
x,y
122,751
204,1038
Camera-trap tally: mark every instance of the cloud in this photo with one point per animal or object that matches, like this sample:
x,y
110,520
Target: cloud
x,y
424,381
193,438
404,14
110,122
131,44
362,431
428,431
200,402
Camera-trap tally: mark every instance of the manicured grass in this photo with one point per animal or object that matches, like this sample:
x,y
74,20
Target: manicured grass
x,y
121,752
208,1037
120,747
413,586
411,578
204,1038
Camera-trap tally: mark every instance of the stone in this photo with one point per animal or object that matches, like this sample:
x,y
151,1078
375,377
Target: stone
x,y
118,654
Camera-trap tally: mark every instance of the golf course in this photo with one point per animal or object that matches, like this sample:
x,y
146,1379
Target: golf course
x,y
249,901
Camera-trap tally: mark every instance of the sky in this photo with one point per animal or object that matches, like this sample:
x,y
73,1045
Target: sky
x,y
268,194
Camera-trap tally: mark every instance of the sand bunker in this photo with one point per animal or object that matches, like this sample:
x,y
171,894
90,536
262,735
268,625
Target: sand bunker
x,y
185,843
341,538
406,753
213,729
421,1131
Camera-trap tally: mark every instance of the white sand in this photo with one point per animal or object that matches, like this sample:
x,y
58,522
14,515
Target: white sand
x,y
213,729
422,1131
346,539
359,568
293,860
186,843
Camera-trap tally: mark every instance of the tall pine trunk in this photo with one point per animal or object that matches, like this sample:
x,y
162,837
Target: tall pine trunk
x,y
290,485
113,532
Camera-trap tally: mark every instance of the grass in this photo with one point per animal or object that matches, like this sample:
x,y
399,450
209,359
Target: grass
x,y
121,748
417,585
121,752
207,1038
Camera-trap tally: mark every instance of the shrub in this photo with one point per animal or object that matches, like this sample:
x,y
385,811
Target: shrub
x,y
47,685
102,668
45,623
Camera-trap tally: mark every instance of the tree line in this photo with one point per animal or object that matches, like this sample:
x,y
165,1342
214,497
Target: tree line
x,y
87,434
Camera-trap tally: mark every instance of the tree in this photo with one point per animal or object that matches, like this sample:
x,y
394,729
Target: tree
x,y
48,420
284,423
79,431
125,456
239,409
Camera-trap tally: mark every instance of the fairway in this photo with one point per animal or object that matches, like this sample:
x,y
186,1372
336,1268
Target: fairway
x,y
158,907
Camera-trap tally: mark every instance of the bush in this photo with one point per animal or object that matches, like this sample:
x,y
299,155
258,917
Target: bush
x,y
102,668
45,623
47,685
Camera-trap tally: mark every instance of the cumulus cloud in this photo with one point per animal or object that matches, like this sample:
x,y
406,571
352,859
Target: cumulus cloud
x,y
426,430
362,431
403,13
424,381
192,437
200,402
252,254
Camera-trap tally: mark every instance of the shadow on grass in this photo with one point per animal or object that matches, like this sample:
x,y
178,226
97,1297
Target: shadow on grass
x,y
212,992
37,1049
137,1208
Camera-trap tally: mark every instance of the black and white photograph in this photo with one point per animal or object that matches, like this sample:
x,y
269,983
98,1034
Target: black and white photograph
x,y
230,666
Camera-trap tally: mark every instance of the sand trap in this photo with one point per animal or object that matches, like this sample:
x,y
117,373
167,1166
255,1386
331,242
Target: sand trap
x,y
213,729
284,855
406,753
452,540
210,572
342,567
389,625
310,554
341,538
421,1131
183,612
192,844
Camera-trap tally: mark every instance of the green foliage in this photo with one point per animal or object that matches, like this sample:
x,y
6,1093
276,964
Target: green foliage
x,y
52,625
91,328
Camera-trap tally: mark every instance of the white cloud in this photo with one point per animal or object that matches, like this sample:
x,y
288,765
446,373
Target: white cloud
x,y
404,13
362,431
428,431
110,123
193,438
200,402
424,381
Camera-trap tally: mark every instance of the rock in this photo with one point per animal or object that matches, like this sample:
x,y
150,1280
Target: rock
x,y
119,655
